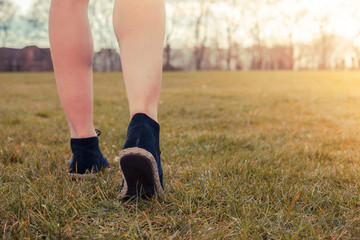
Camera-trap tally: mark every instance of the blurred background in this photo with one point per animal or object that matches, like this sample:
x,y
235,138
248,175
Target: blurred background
x,y
204,35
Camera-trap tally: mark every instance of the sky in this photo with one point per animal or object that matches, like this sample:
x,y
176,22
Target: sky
x,y
23,4
343,22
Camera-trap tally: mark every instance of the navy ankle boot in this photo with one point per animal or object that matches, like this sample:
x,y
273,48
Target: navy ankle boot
x,y
87,157
140,159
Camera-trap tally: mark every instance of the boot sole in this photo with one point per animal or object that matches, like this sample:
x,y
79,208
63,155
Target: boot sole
x,y
140,173
86,175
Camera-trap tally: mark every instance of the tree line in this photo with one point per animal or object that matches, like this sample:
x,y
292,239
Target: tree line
x,y
221,34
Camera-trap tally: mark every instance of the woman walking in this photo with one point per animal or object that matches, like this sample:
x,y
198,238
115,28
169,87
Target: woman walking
x,y
139,27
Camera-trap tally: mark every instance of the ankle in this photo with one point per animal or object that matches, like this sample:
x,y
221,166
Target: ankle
x,y
151,114
82,133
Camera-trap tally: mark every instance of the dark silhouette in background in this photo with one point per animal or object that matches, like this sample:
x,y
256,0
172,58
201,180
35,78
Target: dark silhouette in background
x,y
34,59
29,59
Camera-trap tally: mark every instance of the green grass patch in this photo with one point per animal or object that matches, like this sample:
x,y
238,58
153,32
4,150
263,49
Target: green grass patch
x,y
259,155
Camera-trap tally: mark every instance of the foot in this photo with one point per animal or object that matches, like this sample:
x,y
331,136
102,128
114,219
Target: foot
x,y
140,159
87,157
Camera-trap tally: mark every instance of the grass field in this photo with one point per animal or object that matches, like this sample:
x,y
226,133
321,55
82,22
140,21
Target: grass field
x,y
249,155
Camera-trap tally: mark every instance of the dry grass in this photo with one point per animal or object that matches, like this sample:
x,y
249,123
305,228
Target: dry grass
x,y
260,155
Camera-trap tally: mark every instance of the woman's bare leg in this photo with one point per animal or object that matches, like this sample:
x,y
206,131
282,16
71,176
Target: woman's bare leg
x,y
72,53
140,27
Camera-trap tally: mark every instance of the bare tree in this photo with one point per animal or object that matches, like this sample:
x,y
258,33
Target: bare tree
x,y
258,19
7,15
327,39
100,14
290,21
174,13
37,19
201,27
253,11
232,22
355,14
324,42
356,48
